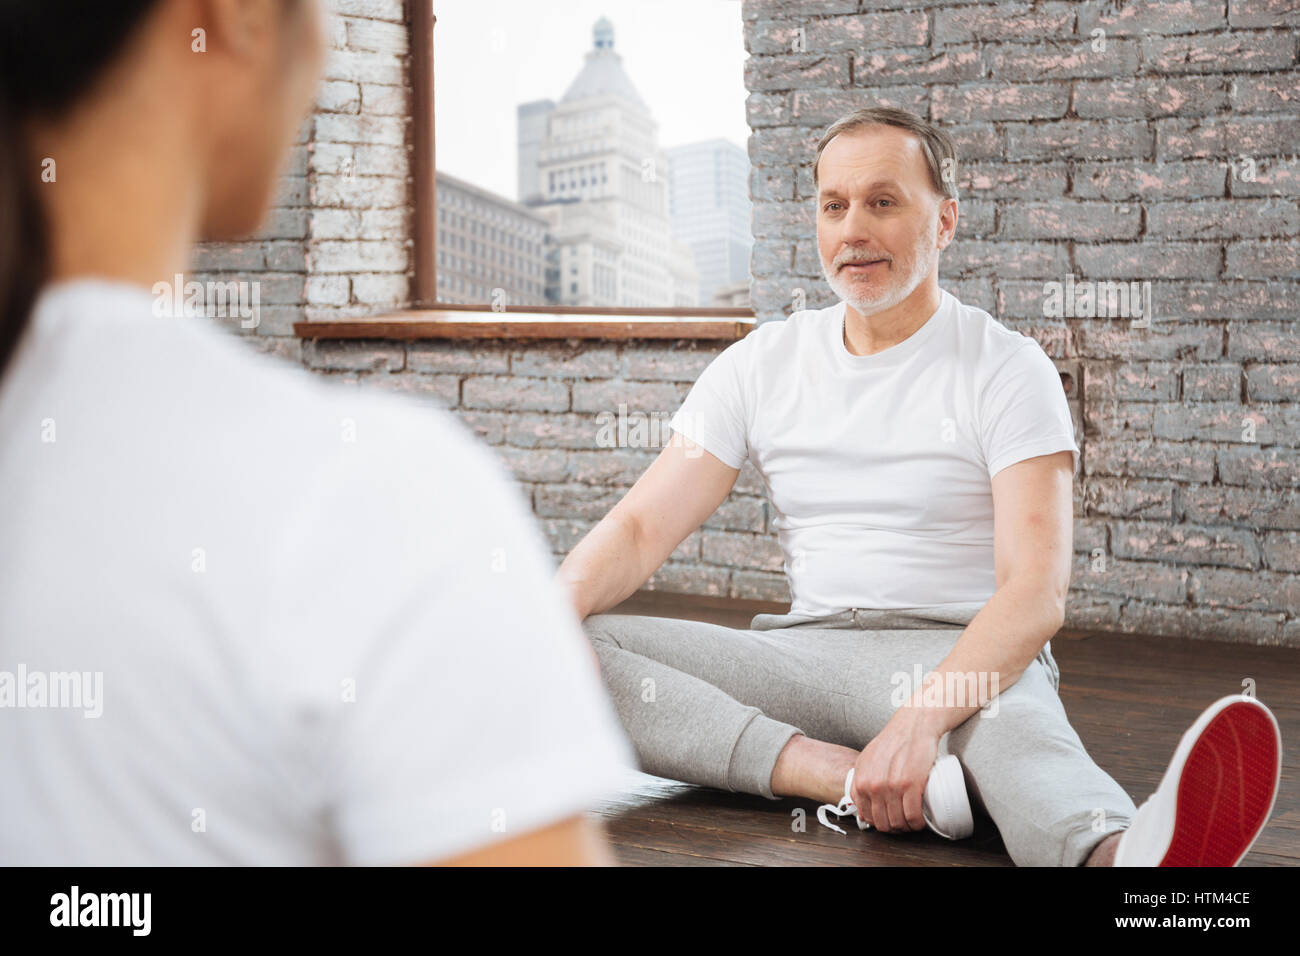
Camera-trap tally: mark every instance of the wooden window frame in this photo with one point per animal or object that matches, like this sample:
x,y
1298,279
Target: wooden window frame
x,y
429,319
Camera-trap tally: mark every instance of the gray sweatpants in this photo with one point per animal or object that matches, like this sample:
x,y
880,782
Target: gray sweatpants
x,y
715,706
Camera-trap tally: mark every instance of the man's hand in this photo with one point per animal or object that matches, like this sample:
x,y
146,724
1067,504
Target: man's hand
x,y
892,771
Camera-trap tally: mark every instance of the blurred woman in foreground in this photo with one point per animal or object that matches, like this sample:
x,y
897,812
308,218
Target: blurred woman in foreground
x,y
246,616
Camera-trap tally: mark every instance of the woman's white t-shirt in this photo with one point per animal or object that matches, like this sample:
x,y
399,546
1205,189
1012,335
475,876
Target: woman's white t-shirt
x,y
879,467
276,620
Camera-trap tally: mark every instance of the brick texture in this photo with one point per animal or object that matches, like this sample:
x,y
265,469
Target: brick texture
x,y
337,240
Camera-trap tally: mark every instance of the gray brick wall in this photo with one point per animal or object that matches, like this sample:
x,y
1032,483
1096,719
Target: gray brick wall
x,y
1166,154
337,240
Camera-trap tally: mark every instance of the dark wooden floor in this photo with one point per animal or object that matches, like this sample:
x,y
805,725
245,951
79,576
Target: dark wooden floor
x,y
1129,698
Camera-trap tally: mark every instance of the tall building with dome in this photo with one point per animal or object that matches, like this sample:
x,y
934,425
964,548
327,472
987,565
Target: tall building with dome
x,y
592,167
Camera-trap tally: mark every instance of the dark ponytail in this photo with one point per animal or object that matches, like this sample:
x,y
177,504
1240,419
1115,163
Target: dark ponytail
x,y
23,247
51,52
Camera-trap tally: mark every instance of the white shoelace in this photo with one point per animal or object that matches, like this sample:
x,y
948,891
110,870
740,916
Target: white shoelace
x,y
843,808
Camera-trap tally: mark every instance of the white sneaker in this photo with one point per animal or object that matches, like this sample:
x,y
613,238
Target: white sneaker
x,y
945,805
1217,794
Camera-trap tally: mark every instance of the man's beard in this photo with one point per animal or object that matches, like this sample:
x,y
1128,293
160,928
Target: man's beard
x,y
897,285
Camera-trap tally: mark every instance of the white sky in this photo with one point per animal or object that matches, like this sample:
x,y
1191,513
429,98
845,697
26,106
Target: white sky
x,y
685,57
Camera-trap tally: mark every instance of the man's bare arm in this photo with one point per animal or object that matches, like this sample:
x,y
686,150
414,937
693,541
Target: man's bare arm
x,y
1033,523
1033,528
680,489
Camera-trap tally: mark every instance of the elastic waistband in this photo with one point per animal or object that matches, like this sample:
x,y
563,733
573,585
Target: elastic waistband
x,y
937,617
933,617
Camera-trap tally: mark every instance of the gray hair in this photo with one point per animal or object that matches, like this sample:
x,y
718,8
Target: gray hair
x,y
940,151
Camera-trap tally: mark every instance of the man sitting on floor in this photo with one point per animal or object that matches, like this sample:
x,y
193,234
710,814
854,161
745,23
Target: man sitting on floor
x,y
919,456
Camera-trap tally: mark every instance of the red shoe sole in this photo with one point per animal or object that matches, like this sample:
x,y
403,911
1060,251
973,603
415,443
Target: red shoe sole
x,y
1226,789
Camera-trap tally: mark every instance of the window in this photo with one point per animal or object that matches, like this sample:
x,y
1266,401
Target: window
x,y
543,107
442,302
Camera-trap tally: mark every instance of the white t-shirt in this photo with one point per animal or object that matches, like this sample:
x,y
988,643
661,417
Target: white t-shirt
x,y
323,617
879,467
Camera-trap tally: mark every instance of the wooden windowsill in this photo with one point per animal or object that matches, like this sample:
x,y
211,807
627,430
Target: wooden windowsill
x,y
578,322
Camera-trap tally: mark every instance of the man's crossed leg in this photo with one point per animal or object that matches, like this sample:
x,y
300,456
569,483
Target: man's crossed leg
x,y
784,710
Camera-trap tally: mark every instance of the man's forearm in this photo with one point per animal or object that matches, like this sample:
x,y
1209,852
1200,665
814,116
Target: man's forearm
x,y
605,567
991,654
